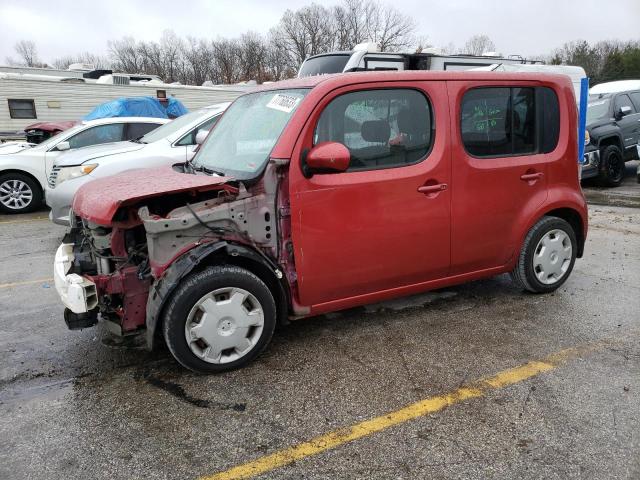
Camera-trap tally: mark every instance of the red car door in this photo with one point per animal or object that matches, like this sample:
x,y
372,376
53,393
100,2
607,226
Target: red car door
x,y
498,174
384,223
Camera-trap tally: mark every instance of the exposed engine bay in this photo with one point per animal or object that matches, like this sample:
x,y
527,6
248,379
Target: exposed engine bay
x,y
111,269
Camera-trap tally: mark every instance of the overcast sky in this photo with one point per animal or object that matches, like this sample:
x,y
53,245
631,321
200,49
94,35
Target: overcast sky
x,y
65,27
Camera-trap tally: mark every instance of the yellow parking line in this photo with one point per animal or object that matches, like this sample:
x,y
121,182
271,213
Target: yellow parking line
x,y
26,282
424,407
26,220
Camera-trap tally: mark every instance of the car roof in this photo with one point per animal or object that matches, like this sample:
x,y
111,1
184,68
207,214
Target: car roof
x,y
107,121
336,80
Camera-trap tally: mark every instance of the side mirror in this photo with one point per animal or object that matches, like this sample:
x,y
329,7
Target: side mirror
x,y
63,146
625,110
201,136
326,157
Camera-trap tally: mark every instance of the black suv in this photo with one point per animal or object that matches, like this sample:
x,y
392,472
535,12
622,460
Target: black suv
x,y
613,128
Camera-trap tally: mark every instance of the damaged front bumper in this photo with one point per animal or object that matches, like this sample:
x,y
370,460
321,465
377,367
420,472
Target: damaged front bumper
x,y
590,164
77,293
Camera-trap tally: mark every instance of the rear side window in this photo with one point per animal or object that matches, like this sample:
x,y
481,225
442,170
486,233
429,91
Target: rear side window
x,y
137,130
497,122
381,128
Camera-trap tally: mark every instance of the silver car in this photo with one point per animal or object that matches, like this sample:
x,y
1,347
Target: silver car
x,y
171,143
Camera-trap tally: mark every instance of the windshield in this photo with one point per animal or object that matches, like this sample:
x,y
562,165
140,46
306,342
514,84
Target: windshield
x,y
597,108
163,131
242,141
324,64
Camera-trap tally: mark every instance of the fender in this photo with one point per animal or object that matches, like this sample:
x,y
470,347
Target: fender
x,y
607,132
162,288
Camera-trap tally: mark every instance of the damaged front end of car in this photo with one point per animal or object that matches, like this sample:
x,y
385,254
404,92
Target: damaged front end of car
x,y
120,263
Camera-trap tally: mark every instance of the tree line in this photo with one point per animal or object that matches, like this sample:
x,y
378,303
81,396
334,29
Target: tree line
x,y
307,31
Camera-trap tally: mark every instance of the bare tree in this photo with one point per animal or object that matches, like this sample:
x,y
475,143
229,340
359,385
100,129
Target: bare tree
x,y
27,53
478,44
388,27
125,55
227,58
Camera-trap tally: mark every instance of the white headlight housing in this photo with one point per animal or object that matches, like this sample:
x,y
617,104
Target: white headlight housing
x,y
587,138
67,173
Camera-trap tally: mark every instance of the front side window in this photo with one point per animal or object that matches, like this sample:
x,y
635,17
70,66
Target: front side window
x,y
497,121
242,141
190,138
623,101
381,128
97,135
22,108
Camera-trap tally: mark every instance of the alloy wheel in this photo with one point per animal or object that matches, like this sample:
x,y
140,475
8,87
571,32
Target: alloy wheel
x,y
15,194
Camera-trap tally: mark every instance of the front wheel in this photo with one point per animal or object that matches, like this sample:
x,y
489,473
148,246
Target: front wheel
x,y
612,167
19,193
219,319
547,256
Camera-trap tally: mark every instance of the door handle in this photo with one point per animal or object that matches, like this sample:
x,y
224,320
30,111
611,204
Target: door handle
x,y
427,189
528,177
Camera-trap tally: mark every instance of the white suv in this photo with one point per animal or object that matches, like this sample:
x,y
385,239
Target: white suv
x,y
23,168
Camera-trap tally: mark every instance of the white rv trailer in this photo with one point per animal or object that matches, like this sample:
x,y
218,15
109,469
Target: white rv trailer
x,y
366,56
26,98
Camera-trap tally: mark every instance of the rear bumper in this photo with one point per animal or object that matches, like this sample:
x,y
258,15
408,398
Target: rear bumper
x,y
76,292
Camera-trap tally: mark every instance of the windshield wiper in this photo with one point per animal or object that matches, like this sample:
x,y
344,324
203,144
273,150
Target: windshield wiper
x,y
206,170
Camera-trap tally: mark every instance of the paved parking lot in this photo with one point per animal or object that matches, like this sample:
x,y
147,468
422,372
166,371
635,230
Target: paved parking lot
x,y
476,381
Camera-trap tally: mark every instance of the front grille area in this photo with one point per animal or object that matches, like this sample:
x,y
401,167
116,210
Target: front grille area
x,y
53,177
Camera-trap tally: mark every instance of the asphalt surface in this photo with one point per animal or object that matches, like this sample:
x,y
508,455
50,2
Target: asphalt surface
x,y
72,408
626,195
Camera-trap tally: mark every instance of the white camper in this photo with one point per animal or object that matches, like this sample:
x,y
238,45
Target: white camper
x,y
31,95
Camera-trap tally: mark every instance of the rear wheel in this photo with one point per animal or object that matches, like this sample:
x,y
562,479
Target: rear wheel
x,y
219,319
611,166
19,193
547,256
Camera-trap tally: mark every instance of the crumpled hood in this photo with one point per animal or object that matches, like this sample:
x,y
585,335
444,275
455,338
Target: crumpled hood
x,y
99,200
14,147
81,155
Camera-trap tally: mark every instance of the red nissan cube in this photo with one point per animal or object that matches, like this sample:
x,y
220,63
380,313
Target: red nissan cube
x,y
328,192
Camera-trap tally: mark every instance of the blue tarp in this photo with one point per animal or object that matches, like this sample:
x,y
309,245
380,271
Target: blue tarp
x,y
138,107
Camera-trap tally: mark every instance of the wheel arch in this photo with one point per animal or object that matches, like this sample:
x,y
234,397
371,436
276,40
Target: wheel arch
x,y
25,173
206,255
573,218
613,139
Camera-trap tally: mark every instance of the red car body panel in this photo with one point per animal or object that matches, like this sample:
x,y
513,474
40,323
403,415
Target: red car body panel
x,y
366,207
99,200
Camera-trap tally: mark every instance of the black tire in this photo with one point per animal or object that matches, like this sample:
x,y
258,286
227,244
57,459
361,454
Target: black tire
x,y
524,275
611,170
190,291
7,179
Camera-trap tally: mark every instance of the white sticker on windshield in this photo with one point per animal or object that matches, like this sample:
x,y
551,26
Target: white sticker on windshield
x,y
284,103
